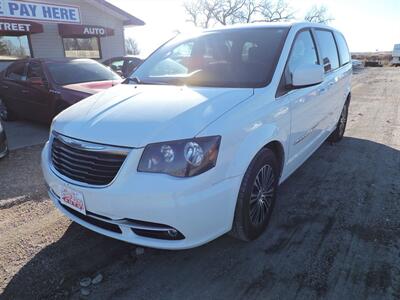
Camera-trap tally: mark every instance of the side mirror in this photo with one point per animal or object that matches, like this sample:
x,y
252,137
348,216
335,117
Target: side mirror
x,y
36,81
306,75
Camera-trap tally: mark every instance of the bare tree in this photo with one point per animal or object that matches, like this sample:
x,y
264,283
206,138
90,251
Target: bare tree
x,y
193,10
200,12
247,12
318,14
226,12
131,46
277,11
208,12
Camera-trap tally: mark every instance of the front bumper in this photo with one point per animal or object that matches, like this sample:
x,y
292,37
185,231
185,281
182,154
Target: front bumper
x,y
201,207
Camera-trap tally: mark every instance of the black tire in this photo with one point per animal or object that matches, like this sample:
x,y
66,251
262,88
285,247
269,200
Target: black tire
x,y
338,133
4,152
5,113
244,226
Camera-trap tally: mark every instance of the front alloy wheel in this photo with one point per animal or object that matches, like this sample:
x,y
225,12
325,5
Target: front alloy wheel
x,y
256,197
262,195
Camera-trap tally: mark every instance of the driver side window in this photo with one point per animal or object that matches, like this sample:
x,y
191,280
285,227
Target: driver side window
x,y
303,53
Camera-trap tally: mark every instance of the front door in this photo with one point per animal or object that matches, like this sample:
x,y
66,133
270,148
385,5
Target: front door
x,y
307,105
12,86
37,96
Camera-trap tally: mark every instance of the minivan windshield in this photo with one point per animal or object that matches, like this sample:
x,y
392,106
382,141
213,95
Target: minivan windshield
x,y
70,72
242,57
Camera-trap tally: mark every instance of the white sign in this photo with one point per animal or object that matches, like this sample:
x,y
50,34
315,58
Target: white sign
x,y
14,27
94,30
39,11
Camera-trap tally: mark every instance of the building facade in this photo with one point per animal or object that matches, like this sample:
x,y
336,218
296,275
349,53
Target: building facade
x,y
62,28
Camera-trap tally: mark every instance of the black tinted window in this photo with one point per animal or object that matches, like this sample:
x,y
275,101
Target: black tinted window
x,y
343,49
16,71
328,49
223,58
35,70
79,71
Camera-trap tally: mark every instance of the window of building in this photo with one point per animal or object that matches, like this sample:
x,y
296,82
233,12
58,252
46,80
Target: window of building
x,y
12,47
82,47
328,49
343,49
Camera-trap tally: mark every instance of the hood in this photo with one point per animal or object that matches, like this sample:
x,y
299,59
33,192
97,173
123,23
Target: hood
x,y
91,88
136,115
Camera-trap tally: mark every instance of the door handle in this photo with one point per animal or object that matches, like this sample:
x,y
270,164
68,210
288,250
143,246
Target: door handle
x,y
322,90
4,86
25,91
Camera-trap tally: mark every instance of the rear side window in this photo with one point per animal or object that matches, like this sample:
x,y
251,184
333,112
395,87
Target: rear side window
x,y
328,48
343,49
117,65
35,70
16,71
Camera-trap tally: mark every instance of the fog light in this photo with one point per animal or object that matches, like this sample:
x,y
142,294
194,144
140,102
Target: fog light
x,y
172,233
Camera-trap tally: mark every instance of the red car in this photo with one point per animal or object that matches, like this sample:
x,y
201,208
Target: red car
x,y
38,89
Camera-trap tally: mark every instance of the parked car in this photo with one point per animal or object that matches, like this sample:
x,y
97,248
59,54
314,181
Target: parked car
x,y
356,63
196,142
123,65
373,63
396,56
38,89
3,141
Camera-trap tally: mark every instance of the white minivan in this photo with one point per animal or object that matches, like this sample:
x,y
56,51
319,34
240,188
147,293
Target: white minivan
x,y
195,143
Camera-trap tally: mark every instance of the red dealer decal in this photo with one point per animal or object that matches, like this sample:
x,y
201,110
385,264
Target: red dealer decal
x,y
84,30
8,26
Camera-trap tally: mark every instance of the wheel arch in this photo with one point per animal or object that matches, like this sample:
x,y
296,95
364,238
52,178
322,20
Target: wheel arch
x,y
277,148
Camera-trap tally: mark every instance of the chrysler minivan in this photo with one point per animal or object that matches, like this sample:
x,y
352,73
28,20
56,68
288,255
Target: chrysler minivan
x,y
195,142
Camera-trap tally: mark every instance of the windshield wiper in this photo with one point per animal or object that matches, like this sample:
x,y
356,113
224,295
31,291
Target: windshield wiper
x,y
133,79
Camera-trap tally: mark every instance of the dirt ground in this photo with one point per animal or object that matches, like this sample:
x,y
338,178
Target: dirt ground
x,y
335,232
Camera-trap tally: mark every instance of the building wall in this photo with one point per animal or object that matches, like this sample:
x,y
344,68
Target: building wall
x,y
49,43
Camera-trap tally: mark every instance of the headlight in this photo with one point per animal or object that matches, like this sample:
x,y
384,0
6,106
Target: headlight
x,y
182,158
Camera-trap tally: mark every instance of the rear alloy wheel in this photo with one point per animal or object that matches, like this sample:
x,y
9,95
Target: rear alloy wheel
x,y
338,133
256,197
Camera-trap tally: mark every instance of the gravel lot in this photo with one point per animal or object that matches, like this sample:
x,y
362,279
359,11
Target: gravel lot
x,y
335,232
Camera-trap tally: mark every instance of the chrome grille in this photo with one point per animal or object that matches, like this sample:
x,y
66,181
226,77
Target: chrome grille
x,y
88,163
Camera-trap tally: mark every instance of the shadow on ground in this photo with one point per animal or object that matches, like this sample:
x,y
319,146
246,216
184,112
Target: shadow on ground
x,y
334,234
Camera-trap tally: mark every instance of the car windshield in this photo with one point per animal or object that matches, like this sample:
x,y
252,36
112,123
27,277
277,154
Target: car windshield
x,y
64,73
244,57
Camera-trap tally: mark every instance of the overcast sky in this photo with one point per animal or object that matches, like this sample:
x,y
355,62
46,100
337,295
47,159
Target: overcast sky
x,y
368,25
